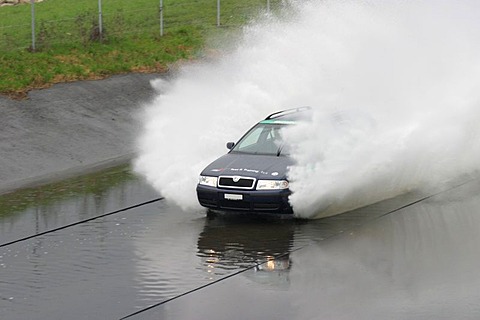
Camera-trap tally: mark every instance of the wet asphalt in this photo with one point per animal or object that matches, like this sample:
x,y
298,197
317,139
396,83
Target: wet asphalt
x,y
70,128
412,257
107,246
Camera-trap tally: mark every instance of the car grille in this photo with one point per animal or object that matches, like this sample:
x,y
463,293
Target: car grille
x,y
236,182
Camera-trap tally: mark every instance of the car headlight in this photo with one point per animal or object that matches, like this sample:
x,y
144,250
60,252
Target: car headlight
x,y
208,181
272,184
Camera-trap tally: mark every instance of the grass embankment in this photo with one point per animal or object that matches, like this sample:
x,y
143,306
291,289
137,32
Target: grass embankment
x,y
69,48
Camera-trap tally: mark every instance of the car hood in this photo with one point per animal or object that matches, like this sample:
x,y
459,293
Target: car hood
x,y
251,165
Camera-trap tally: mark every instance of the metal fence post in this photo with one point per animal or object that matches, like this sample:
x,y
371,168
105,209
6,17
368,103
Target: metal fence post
x,y
161,18
32,4
100,21
218,13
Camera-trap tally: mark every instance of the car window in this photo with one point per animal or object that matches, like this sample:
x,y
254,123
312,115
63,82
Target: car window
x,y
261,139
251,139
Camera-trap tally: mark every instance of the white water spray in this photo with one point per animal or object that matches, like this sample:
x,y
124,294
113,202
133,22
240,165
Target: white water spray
x,y
395,88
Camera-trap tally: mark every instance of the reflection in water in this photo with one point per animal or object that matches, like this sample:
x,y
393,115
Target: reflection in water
x,y
274,273
95,184
237,243
78,272
408,264
229,243
31,211
178,254
281,263
82,272
420,262
232,243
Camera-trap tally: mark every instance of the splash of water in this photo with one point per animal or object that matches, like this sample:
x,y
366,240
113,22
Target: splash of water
x,y
396,90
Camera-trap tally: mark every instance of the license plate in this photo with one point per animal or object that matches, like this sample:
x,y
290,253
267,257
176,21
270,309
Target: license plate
x,y
236,197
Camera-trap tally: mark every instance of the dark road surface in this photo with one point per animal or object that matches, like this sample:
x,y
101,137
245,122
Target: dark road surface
x,y
70,129
158,262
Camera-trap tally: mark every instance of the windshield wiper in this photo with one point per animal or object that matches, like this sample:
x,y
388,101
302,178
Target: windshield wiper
x,y
279,151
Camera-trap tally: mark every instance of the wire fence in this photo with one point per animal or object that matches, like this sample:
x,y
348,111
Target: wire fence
x,y
38,26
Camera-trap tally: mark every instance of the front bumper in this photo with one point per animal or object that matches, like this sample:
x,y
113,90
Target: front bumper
x,y
252,201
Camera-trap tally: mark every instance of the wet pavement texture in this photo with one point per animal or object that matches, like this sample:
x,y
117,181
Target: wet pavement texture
x,y
70,128
412,257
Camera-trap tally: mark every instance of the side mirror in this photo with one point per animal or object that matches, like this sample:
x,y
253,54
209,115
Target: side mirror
x,y
230,145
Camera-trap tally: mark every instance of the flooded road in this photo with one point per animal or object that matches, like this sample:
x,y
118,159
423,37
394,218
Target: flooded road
x,y
91,259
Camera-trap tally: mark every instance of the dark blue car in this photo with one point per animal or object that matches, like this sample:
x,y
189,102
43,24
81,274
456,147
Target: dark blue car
x,y
252,176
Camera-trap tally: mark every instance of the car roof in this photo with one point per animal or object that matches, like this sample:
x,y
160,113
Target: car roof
x,y
289,116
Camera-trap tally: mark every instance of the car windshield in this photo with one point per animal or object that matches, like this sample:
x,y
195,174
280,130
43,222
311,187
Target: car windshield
x,y
264,138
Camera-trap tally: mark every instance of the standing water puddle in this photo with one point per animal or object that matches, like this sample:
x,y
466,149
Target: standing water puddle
x,y
123,263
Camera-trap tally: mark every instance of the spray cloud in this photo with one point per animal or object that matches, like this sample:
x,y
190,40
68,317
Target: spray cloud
x,y
395,87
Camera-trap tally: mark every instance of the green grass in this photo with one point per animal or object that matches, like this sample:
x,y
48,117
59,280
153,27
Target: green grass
x,y
68,46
